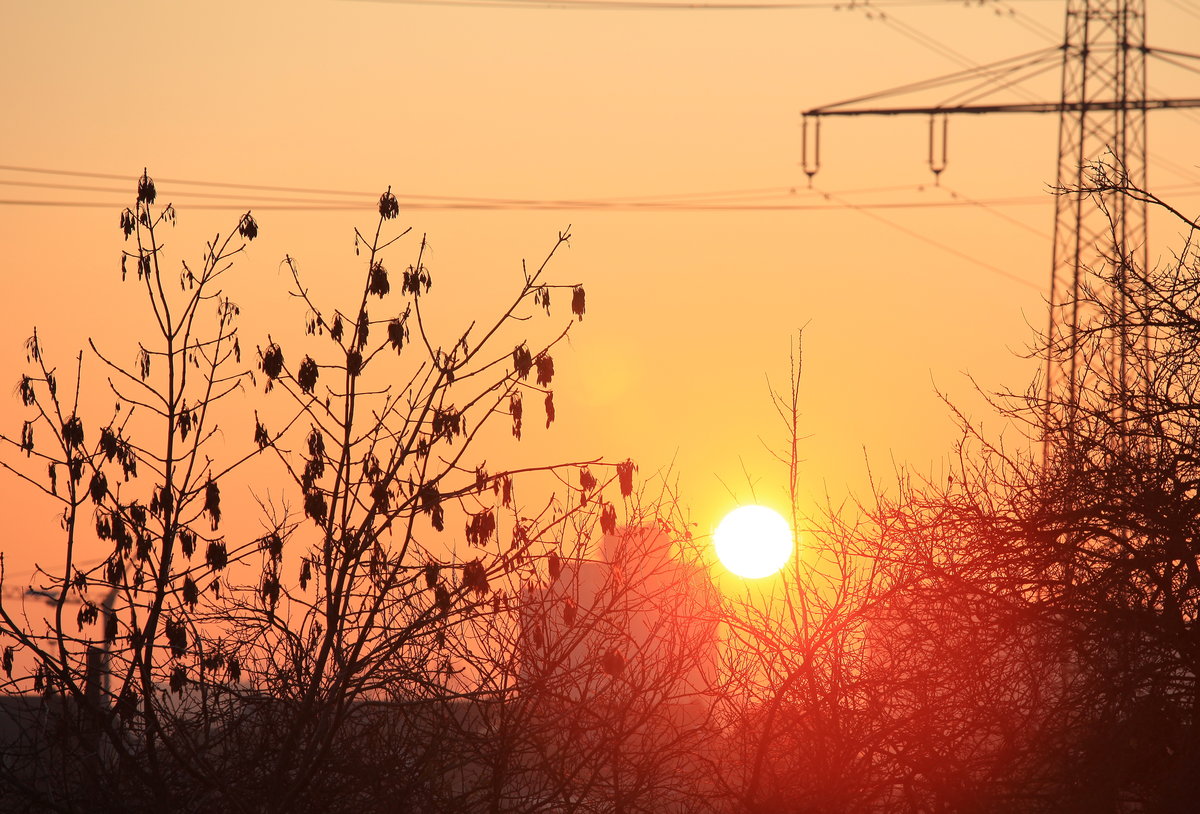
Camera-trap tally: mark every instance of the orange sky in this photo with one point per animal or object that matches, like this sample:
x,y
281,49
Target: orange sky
x,y
689,311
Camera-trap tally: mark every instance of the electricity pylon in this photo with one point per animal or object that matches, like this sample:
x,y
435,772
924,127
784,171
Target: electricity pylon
x,y
1102,118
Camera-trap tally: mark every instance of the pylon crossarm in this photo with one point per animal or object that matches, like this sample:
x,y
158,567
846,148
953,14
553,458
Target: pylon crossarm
x,y
1017,107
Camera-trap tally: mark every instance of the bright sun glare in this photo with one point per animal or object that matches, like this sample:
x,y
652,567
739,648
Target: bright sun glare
x,y
753,541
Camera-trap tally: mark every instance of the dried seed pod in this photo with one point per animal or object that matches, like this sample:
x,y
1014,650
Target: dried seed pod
x,y
625,471
578,305
545,369
612,662
248,228
212,502
306,376
389,208
217,556
272,361
377,280
146,192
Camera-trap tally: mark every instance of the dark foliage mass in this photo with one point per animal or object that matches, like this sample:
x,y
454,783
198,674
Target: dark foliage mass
x,y
1029,636
396,631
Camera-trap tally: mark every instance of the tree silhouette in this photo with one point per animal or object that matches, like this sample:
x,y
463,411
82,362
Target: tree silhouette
x,y
1050,652
414,629
314,666
154,503
800,729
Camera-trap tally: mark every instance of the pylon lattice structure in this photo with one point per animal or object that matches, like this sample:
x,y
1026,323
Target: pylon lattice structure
x,y
1102,123
1103,119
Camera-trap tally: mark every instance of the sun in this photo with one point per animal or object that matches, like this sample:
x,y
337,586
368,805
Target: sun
x,y
753,541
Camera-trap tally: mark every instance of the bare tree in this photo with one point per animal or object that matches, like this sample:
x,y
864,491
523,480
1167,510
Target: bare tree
x,y
1049,652
154,493
250,673
796,668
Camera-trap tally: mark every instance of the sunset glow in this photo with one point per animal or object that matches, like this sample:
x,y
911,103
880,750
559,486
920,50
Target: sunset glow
x,y
600,405
753,541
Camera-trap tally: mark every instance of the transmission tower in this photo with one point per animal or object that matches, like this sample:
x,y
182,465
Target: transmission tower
x,y
1104,74
1102,119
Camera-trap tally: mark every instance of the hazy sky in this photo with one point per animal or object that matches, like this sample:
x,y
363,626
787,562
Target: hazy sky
x,y
689,311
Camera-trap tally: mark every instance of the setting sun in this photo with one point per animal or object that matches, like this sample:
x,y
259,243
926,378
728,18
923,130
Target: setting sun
x,y
753,541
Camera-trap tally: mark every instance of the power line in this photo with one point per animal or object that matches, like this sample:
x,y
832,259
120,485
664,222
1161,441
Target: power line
x,y
1029,23
936,243
778,198
751,199
1102,110
592,206
921,38
994,211
665,5
412,196
1186,8
975,73
187,193
942,49
182,181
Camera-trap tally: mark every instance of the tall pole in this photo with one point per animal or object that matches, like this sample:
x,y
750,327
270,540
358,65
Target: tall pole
x,y
1102,119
